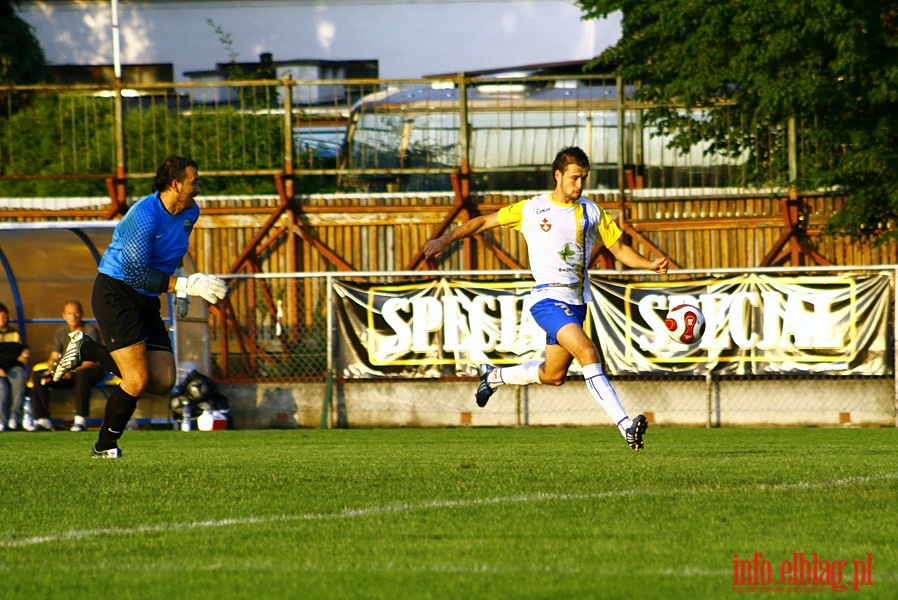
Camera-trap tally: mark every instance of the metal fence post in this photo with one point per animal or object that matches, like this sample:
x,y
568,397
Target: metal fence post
x,y
288,135
621,130
331,351
463,131
895,342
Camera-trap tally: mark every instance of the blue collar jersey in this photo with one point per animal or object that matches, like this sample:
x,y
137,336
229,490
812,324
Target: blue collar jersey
x,y
148,244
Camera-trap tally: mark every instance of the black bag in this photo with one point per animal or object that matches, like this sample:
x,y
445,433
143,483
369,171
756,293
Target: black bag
x,y
198,393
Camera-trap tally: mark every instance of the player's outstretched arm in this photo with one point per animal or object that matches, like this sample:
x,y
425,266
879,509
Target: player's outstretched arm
x,y
470,228
633,259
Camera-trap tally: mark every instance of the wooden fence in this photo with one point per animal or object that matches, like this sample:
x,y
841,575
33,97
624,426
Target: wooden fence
x,y
378,232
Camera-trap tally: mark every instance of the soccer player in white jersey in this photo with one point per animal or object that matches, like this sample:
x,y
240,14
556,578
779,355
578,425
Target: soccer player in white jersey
x,y
561,229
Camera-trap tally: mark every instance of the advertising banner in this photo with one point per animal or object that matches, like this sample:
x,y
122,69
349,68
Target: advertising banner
x,y
755,324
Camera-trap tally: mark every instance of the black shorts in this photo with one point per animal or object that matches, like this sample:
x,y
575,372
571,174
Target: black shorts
x,y
127,317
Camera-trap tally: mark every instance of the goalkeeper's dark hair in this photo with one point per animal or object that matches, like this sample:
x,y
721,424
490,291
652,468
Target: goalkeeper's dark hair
x,y
172,168
568,156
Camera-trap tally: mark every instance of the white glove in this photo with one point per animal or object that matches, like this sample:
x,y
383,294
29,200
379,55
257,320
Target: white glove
x,y
211,288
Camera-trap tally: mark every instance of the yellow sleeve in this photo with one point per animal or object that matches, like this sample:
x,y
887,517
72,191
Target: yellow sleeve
x,y
608,229
511,215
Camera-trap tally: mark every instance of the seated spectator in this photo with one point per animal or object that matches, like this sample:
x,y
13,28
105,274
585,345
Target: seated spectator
x,y
82,379
13,374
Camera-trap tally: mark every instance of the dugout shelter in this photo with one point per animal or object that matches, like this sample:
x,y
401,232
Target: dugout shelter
x,y
44,264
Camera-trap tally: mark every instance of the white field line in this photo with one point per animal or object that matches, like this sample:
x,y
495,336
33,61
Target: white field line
x,y
349,513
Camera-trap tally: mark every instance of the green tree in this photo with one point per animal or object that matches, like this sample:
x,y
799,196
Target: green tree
x,y
22,59
832,65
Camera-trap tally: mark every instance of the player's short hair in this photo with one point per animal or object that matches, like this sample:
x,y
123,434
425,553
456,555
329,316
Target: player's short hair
x,y
568,156
3,308
172,168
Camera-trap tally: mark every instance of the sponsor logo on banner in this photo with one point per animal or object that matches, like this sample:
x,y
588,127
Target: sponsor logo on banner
x,y
754,324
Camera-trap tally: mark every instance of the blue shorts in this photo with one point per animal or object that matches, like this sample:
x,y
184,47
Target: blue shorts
x,y
552,315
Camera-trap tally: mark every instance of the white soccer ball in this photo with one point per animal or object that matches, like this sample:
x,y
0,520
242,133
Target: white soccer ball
x,y
685,324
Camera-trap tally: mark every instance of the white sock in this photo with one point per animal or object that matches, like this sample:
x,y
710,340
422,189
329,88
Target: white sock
x,y
79,420
523,374
624,425
601,390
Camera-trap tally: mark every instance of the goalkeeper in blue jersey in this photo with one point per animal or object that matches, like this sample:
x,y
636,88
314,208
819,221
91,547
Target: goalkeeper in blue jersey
x,y
148,245
561,229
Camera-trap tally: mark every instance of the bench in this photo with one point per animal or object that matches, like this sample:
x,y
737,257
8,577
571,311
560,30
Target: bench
x,y
151,410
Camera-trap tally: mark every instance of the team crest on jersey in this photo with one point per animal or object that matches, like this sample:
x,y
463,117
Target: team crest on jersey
x,y
545,225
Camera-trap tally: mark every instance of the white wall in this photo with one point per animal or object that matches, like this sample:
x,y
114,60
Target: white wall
x,y
409,38
383,402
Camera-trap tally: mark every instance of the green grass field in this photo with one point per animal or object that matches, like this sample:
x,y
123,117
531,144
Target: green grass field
x,y
445,513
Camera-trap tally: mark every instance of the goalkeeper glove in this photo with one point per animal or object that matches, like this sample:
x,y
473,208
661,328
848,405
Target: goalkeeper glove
x,y
209,287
